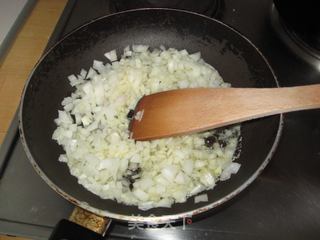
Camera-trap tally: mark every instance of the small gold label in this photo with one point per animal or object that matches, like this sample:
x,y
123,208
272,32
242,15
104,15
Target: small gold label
x,y
89,220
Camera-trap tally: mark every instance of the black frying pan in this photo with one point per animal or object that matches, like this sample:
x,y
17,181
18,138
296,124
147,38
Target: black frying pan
x,y
234,56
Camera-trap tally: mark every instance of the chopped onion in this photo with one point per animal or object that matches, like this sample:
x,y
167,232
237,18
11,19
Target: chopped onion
x,y
139,115
201,198
93,130
83,73
112,55
140,48
91,73
233,168
63,158
98,65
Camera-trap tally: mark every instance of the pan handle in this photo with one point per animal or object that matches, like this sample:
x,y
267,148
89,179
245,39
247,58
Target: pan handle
x,y
82,224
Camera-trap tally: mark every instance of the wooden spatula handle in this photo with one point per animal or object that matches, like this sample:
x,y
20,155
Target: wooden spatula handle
x,y
191,110
255,102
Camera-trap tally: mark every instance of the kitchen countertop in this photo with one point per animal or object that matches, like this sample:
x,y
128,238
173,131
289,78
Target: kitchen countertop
x,y
22,56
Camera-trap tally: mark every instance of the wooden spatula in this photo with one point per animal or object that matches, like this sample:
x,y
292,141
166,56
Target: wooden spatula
x,y
184,111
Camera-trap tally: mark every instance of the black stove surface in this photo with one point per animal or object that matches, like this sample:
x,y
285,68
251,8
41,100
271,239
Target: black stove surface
x,y
211,8
283,203
301,46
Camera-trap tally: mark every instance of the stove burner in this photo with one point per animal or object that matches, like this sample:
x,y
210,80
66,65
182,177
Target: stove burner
x,y
303,45
211,8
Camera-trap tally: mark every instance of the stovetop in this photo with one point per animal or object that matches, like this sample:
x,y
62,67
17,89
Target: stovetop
x,y
283,203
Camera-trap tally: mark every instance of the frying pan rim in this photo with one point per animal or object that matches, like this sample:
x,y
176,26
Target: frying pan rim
x,y
141,219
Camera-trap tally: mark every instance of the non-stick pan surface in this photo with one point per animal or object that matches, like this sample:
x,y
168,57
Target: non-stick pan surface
x,y
235,57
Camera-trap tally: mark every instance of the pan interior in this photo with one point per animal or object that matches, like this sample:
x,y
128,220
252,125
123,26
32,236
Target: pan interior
x,y
236,59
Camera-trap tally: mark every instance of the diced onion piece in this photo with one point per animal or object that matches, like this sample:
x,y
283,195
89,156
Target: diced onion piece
x,y
112,55
187,166
98,65
91,73
139,115
63,158
83,73
201,198
169,173
72,78
233,168
140,48
141,195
